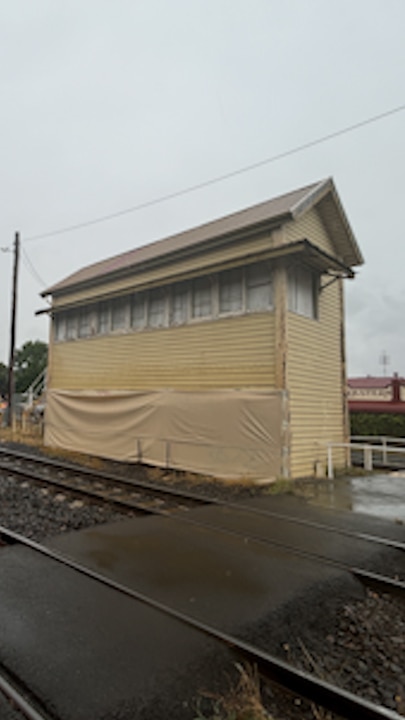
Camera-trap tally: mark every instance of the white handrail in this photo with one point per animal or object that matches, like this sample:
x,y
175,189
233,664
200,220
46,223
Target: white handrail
x,y
367,453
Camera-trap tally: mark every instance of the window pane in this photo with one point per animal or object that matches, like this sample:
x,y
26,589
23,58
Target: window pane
x,y
119,314
84,322
60,327
103,317
230,291
302,292
157,308
202,300
71,326
259,290
138,310
179,304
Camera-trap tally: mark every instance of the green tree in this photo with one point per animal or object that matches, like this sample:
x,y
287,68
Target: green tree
x,y
30,360
3,380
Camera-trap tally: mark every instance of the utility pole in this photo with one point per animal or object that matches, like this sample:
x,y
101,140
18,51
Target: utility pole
x,y
12,330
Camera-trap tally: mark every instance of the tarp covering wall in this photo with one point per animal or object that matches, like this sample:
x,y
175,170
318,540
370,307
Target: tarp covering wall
x,y
229,433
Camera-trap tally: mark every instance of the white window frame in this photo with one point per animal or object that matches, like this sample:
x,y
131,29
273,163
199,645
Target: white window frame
x,y
84,312
71,325
296,291
162,291
231,311
121,303
59,327
68,323
135,298
265,307
104,304
212,284
185,292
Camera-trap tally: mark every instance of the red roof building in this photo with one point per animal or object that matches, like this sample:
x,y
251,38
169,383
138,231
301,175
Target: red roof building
x,y
376,394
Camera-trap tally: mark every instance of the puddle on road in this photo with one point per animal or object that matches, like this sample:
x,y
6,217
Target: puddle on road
x,y
382,495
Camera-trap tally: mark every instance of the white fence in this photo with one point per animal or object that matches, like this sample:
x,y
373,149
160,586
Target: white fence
x,y
382,450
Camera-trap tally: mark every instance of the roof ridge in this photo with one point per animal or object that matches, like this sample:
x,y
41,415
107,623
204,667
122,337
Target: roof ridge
x,y
268,211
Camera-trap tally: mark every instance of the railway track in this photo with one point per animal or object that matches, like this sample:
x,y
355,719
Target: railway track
x,y
139,495
271,668
150,498
21,698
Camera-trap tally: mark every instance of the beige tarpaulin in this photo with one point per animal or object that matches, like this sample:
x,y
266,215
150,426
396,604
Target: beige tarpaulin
x,y
229,433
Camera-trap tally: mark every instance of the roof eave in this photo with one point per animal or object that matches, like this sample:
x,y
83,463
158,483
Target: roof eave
x,y
171,255
352,254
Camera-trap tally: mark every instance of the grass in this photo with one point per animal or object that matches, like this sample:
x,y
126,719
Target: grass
x,y
281,487
242,701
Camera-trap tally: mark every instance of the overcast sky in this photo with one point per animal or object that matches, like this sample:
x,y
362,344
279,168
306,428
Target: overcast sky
x,y
105,105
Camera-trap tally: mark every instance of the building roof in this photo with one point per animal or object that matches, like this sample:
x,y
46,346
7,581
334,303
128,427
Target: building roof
x,y
371,382
378,406
270,213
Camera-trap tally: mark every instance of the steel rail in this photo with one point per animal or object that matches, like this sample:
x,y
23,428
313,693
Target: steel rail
x,y
20,702
321,526
102,475
105,498
203,499
297,681
369,578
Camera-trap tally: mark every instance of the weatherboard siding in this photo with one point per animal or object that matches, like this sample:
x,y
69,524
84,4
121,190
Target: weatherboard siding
x,y
314,381
310,227
230,352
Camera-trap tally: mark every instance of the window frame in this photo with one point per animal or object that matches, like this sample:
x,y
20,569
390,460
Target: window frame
x,y
270,285
121,303
212,284
232,311
71,324
185,285
140,294
162,291
214,301
314,277
106,305
59,322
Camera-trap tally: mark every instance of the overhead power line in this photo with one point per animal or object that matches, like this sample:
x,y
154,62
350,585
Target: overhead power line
x,y
31,268
219,178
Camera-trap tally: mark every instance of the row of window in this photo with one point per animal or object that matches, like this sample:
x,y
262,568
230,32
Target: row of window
x,y
239,290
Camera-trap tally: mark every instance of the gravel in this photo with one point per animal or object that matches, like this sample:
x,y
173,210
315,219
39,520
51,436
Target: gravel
x,y
39,512
358,645
363,651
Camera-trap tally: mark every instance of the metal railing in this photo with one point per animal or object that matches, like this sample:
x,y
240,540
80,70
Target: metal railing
x,y
36,389
369,451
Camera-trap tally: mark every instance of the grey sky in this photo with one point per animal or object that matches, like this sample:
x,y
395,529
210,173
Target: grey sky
x,y
106,105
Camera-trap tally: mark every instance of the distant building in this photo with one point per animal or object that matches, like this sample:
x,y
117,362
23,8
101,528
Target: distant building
x,y
371,394
219,350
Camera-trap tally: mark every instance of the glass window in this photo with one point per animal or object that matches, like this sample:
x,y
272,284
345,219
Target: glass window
x,y
259,290
60,327
103,319
230,291
302,292
202,297
138,310
71,326
84,322
179,304
119,314
157,308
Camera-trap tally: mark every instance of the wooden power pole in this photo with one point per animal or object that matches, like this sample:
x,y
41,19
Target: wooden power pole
x,y
12,330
